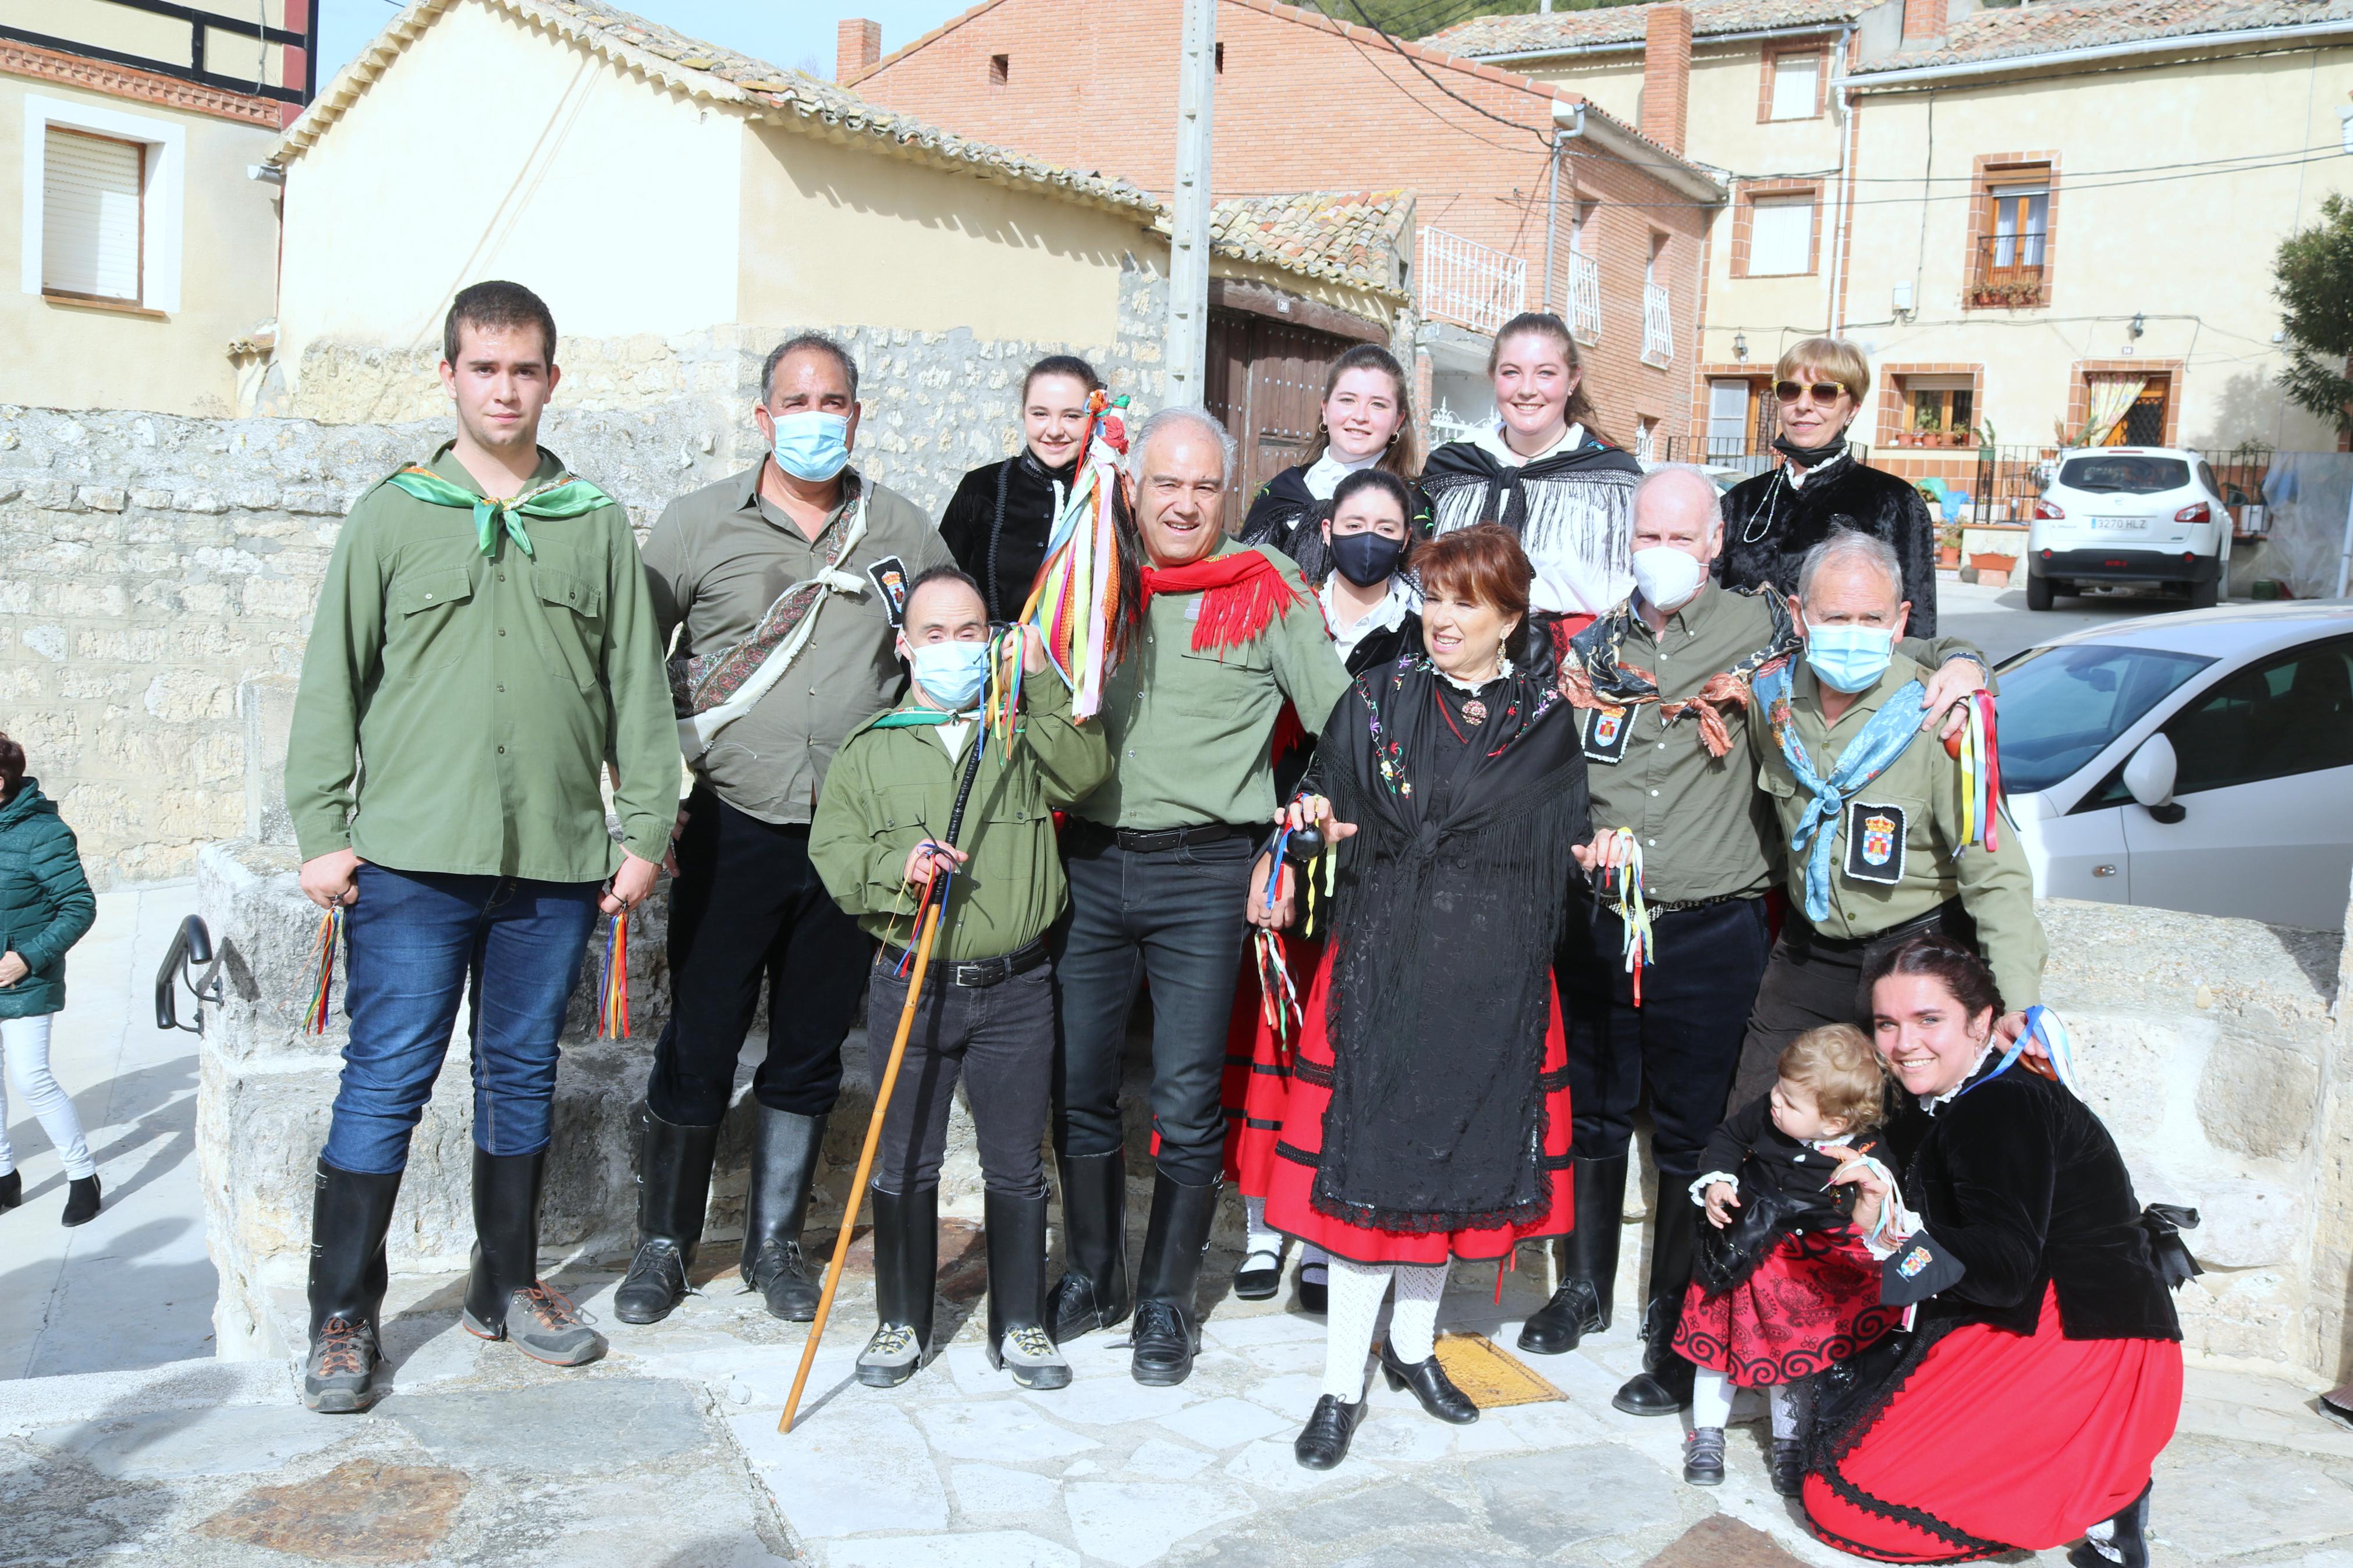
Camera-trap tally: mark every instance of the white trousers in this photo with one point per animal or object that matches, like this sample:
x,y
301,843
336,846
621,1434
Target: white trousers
x,y
25,1043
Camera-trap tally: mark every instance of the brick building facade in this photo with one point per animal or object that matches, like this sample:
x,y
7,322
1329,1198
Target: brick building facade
x,y
1307,103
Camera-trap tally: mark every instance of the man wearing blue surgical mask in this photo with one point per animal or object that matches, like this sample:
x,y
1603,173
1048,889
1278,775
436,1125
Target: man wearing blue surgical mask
x,y
1870,814
1664,682
788,584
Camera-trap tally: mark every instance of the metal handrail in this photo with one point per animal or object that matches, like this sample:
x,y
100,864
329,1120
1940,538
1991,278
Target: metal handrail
x,y
192,945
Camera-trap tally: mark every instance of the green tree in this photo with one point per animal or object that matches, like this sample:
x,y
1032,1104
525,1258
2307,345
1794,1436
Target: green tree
x,y
2314,273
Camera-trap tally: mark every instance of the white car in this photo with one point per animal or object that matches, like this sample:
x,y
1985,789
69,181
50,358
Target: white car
x,y
2198,760
2129,514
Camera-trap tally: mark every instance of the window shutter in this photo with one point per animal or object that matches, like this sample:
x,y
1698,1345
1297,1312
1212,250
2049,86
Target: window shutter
x,y
90,215
1795,79
1780,236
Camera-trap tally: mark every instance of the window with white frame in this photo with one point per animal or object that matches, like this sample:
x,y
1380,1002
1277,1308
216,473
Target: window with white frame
x,y
1796,87
103,195
1780,236
1646,440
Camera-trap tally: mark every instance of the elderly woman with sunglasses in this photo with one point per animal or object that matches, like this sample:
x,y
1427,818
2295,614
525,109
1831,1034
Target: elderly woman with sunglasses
x,y
1771,522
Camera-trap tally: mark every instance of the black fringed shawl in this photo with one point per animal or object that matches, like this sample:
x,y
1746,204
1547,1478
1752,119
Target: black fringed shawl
x,y
1449,907
1573,510
1769,524
1286,515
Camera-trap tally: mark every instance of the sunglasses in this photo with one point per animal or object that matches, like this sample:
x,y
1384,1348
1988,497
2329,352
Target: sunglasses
x,y
1823,391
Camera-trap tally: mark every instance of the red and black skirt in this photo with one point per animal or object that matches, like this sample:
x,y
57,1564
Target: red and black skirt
x,y
1995,1441
1301,1142
1257,1069
1813,1300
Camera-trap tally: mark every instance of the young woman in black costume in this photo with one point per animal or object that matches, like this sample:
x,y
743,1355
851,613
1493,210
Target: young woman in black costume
x,y
999,520
1367,423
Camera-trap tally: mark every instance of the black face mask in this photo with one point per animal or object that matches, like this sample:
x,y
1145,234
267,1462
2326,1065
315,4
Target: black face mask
x,y
1810,457
1368,558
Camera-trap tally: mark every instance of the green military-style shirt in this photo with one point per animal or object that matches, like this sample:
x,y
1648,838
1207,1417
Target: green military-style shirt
x,y
890,789
457,709
1706,832
1921,792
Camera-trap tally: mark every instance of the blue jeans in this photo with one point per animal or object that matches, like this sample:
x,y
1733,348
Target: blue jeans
x,y
417,941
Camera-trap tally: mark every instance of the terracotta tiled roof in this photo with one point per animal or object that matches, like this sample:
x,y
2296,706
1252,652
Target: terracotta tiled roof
x,y
1346,237
707,70
2038,29
1625,24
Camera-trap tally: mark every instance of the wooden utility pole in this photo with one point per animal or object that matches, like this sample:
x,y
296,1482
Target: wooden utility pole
x,y
1187,344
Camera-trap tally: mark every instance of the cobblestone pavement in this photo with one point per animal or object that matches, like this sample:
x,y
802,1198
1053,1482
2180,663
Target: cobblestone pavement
x,y
666,1455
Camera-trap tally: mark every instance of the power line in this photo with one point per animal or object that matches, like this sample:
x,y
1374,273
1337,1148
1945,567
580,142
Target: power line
x,y
1358,6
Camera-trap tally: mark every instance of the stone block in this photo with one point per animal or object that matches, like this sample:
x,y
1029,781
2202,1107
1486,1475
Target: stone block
x,y
2258,1098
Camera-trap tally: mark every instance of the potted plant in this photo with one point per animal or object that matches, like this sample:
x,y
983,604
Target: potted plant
x,y
1948,544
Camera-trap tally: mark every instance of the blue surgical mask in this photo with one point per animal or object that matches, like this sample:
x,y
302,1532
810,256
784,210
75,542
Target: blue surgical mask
x,y
813,446
1848,658
950,672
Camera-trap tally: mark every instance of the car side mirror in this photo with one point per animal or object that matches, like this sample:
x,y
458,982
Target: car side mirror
x,y
2150,774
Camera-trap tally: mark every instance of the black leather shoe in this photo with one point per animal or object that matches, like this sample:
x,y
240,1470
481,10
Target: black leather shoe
x,y
1588,1262
1703,1458
1323,1443
785,1148
12,1190
1789,1466
2127,1539
1664,1384
673,1188
1315,1295
1092,1292
350,1214
1660,1393
1258,1278
1430,1385
1168,1331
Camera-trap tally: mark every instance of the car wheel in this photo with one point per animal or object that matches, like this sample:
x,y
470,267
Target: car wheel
x,y
2205,596
2038,592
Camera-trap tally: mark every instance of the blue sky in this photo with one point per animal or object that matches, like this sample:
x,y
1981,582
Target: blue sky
x,y
793,33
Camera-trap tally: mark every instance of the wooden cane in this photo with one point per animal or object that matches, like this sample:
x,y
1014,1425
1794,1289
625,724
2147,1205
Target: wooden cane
x,y
931,919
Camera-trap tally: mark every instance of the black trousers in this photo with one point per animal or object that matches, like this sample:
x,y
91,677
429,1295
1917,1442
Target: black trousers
x,y
1682,1044
1000,1040
1814,980
1172,917
748,905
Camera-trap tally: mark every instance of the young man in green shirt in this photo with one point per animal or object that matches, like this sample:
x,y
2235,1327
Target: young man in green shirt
x,y
987,1011
472,664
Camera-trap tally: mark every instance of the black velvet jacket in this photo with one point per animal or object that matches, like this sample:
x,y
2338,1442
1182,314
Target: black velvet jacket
x,y
1769,524
1023,488
2019,1180
1792,1166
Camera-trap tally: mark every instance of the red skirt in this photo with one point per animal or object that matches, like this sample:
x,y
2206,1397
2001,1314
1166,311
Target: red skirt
x,y
1300,1140
1997,1441
1812,1300
1257,1069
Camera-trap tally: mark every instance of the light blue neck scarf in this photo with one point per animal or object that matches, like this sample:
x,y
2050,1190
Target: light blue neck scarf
x,y
1882,741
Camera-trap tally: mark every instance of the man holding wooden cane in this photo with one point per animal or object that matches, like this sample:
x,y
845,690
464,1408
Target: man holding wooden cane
x,y
987,1011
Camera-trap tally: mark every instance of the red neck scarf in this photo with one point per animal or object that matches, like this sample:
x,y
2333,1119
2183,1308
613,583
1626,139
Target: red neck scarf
x,y
1241,595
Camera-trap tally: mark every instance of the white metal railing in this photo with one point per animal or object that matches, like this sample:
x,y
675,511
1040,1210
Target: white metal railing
x,y
1658,326
1584,298
1445,425
1467,282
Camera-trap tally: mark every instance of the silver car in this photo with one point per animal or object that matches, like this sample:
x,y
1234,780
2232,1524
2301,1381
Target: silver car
x,y
2201,761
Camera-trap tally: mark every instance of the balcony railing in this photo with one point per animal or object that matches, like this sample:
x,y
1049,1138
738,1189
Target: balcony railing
x,y
1584,298
1473,285
2007,269
1658,325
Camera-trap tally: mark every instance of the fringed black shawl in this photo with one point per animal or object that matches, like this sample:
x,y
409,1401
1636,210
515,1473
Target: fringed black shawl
x,y
1449,908
1573,510
1286,515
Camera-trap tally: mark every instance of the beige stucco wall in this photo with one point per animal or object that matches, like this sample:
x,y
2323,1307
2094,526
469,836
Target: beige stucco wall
x,y
68,356
614,198
839,232
1613,80
2192,254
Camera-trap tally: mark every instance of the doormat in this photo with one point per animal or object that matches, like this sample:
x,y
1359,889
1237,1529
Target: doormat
x,y
1492,1376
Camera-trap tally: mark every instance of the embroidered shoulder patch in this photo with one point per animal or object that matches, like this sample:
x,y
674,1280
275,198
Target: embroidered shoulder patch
x,y
1607,732
889,576
1874,843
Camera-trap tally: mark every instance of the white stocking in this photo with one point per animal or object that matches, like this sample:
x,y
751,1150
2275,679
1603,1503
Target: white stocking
x,y
1257,1237
1413,1322
1357,1290
1711,1400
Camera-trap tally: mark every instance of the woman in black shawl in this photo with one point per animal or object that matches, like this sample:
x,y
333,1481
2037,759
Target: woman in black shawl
x,y
1428,1116
999,520
1544,473
1771,522
1367,423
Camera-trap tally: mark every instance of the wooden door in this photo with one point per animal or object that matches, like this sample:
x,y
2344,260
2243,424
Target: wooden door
x,y
1264,382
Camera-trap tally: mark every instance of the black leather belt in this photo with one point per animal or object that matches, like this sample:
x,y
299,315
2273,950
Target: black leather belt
x,y
978,971
1159,840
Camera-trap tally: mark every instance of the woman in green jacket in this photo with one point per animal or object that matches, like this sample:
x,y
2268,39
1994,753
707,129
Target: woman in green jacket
x,y
44,908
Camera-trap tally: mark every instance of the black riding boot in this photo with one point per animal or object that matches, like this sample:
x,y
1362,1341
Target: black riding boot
x,y
1588,1261
1092,1291
1664,1384
1167,1332
2127,1539
1016,1292
504,1298
785,1148
906,1266
673,1189
349,1215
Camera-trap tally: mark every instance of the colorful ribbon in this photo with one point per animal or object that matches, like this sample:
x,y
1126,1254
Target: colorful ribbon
x,y
1980,758
1622,866
1074,603
1278,994
1000,703
613,981
322,966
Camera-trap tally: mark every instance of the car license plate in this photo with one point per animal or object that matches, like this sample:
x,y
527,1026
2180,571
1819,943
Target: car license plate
x,y
2119,524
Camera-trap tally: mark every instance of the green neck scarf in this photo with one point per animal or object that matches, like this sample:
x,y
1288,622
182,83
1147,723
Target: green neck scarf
x,y
564,496
908,718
